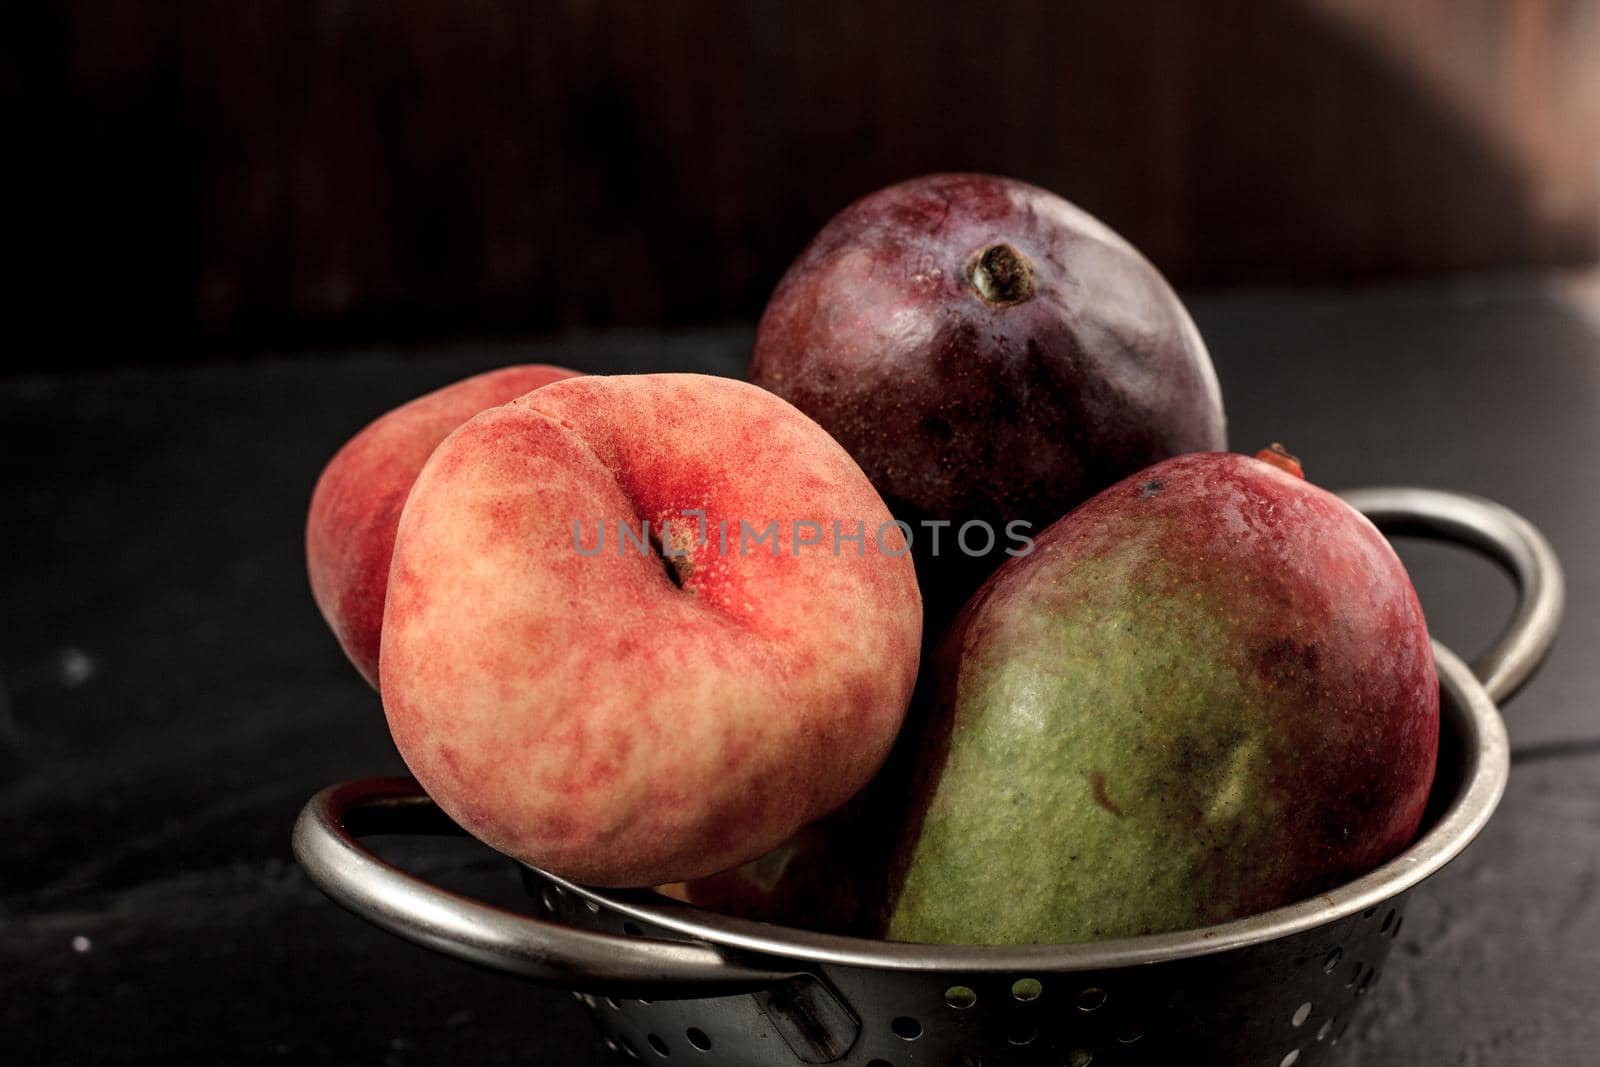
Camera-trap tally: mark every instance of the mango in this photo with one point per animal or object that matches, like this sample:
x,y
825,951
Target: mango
x,y
1207,692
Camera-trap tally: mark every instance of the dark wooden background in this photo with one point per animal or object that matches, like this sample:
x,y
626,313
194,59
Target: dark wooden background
x,y
185,179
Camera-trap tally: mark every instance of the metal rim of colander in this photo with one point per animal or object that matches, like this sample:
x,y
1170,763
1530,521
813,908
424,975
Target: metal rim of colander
x,y
1486,767
721,955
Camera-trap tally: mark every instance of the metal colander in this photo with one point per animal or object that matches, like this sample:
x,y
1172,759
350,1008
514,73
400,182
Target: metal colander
x,y
668,981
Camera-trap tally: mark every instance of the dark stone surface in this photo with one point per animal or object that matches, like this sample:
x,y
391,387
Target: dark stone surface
x,y
169,697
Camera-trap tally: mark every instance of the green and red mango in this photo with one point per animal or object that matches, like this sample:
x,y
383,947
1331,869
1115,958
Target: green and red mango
x,y
1209,691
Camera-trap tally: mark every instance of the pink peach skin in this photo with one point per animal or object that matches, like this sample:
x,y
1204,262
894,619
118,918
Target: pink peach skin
x,y
586,714
356,504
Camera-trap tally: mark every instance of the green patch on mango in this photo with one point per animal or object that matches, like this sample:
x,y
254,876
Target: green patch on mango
x,y
1104,750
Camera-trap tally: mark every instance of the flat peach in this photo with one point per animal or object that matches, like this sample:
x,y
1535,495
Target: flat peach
x,y
622,718
356,504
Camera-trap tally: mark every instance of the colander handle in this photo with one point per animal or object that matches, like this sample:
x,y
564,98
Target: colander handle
x,y
326,842
1508,539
